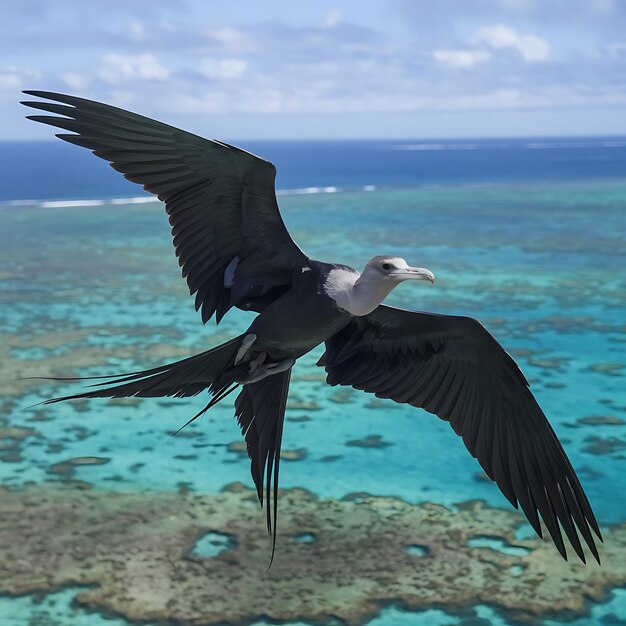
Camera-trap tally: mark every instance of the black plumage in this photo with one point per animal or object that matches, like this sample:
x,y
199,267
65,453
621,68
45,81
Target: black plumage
x,y
220,199
235,251
452,367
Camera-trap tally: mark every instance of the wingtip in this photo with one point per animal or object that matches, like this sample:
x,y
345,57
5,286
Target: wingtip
x,y
594,549
37,93
52,95
596,555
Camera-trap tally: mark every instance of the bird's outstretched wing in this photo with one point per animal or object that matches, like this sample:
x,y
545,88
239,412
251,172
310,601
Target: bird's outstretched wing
x,y
230,239
452,367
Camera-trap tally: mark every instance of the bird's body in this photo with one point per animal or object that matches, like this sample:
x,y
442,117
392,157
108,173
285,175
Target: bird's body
x,y
235,251
303,318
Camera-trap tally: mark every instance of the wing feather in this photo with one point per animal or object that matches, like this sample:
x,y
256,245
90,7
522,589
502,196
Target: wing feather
x,y
220,199
452,367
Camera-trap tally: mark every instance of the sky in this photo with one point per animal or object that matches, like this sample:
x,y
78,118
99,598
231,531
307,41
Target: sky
x,y
283,69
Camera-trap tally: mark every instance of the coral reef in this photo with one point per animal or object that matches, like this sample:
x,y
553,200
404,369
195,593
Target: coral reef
x,y
66,468
371,441
135,552
11,438
601,420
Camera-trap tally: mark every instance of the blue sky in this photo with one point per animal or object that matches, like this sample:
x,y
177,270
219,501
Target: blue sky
x,y
343,69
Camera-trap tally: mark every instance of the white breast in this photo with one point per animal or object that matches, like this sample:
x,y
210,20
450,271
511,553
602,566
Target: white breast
x,y
339,286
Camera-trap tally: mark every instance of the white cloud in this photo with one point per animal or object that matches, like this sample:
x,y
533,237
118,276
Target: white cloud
x,y
337,59
499,36
232,40
256,100
75,80
116,68
532,48
223,69
461,59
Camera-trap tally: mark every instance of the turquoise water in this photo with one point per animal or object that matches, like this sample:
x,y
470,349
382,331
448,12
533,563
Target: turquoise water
x,y
92,290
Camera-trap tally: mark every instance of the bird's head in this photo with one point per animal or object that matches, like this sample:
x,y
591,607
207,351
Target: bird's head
x,y
395,269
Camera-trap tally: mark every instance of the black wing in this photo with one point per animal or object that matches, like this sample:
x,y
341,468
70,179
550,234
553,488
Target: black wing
x,y
230,239
452,367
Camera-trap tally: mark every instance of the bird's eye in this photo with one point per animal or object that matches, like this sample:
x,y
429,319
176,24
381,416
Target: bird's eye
x,y
386,266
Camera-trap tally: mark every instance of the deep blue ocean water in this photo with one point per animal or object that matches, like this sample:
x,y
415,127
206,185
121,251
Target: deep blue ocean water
x,y
57,170
527,235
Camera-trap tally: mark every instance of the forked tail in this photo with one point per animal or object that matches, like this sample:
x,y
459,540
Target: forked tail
x,y
260,410
213,370
259,407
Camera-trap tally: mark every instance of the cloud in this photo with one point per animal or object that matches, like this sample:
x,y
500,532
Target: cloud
x,y
229,39
195,59
223,69
117,68
486,39
499,37
461,59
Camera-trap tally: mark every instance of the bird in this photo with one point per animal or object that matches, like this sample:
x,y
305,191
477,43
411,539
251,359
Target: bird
x,y
235,252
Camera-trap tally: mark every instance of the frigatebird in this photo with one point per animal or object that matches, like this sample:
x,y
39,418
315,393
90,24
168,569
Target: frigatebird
x,y
235,251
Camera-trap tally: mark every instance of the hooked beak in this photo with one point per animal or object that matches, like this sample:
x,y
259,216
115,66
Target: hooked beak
x,y
415,273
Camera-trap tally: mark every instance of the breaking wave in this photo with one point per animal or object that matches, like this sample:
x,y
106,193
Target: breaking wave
x,y
95,202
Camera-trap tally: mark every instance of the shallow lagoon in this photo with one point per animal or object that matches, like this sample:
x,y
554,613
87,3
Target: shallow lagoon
x,y
92,290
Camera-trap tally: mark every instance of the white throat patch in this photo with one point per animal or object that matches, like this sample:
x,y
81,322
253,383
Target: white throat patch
x,y
358,294
339,286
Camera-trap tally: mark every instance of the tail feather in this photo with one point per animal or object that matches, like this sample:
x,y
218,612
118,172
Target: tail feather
x,y
218,397
260,411
259,407
180,379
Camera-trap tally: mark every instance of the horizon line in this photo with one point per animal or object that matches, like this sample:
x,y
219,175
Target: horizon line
x,y
621,135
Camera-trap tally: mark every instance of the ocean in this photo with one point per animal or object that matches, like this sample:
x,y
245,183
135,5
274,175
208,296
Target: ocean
x,y
527,235
55,170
